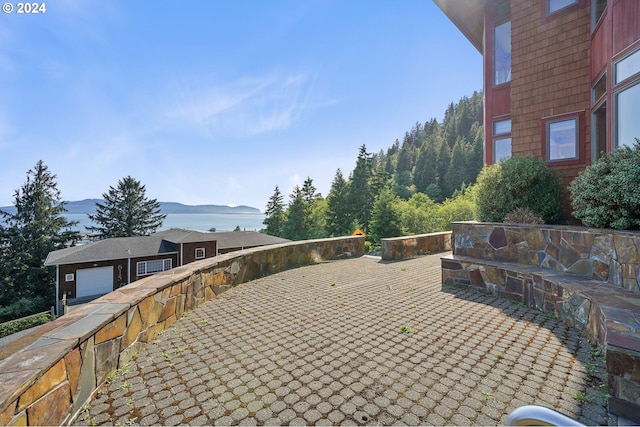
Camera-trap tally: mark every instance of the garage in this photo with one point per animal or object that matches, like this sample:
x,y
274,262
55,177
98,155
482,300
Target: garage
x,y
94,281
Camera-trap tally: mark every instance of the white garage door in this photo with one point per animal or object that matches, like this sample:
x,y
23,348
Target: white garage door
x,y
94,281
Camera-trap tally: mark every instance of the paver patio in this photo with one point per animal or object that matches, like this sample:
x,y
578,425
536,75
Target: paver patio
x,y
356,342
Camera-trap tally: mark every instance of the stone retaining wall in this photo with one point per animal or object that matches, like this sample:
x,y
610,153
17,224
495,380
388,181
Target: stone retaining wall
x,y
589,278
396,248
47,375
611,256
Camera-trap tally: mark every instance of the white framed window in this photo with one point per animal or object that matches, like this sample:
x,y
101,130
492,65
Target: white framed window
x,y
562,139
200,253
144,268
69,277
554,6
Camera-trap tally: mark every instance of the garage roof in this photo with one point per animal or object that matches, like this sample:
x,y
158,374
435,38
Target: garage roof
x,y
157,243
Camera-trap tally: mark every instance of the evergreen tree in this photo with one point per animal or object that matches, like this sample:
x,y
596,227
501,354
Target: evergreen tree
x,y
425,172
476,156
386,218
457,172
309,191
402,186
360,199
406,156
27,237
338,222
443,161
296,225
126,212
274,214
317,219
388,166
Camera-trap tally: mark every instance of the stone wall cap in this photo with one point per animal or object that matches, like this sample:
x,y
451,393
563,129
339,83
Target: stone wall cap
x,y
417,236
13,384
575,228
81,329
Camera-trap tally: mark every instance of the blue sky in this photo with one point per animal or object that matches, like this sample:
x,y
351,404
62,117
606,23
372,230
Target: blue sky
x,y
217,101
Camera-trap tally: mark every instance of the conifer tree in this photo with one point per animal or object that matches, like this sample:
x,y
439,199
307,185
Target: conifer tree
x,y
126,212
386,219
425,172
360,199
296,225
274,214
26,238
309,191
338,222
457,172
442,165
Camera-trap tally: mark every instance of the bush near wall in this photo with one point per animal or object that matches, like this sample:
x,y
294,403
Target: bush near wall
x,y
518,182
607,193
14,326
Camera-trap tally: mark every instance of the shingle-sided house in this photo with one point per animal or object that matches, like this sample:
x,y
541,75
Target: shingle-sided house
x,y
97,268
561,77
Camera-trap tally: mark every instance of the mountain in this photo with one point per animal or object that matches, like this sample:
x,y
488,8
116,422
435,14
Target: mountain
x,y
88,206
179,208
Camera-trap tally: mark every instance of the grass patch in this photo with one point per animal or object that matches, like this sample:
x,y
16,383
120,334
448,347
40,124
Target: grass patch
x,y
581,397
406,329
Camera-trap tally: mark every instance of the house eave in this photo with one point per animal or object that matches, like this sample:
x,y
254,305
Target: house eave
x,y
468,17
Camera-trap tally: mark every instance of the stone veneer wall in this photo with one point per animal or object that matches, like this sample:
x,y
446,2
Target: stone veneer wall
x,y
607,255
587,277
47,375
396,248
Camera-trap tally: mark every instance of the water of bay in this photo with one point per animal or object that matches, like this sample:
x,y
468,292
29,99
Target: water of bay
x,y
197,222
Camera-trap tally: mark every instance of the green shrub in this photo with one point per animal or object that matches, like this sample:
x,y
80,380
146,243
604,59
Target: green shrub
x,y
461,207
22,324
607,193
22,307
518,182
416,214
523,216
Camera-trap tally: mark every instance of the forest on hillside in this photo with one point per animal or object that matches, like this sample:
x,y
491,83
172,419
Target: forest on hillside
x,y
418,185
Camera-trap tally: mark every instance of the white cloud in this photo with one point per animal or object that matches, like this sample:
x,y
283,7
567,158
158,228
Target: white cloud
x,y
245,107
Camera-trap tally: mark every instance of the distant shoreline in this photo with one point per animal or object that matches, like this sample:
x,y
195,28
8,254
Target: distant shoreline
x,y
228,221
88,206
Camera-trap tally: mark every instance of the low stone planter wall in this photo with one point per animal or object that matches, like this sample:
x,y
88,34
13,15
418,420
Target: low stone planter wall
x,y
47,375
396,248
589,278
607,255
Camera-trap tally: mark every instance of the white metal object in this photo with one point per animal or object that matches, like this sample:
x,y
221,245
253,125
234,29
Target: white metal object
x,y
539,416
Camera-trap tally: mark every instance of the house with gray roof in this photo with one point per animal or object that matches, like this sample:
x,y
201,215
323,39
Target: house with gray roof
x,y
87,271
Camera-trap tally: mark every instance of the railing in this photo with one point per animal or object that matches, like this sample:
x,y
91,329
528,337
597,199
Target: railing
x,y
539,416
